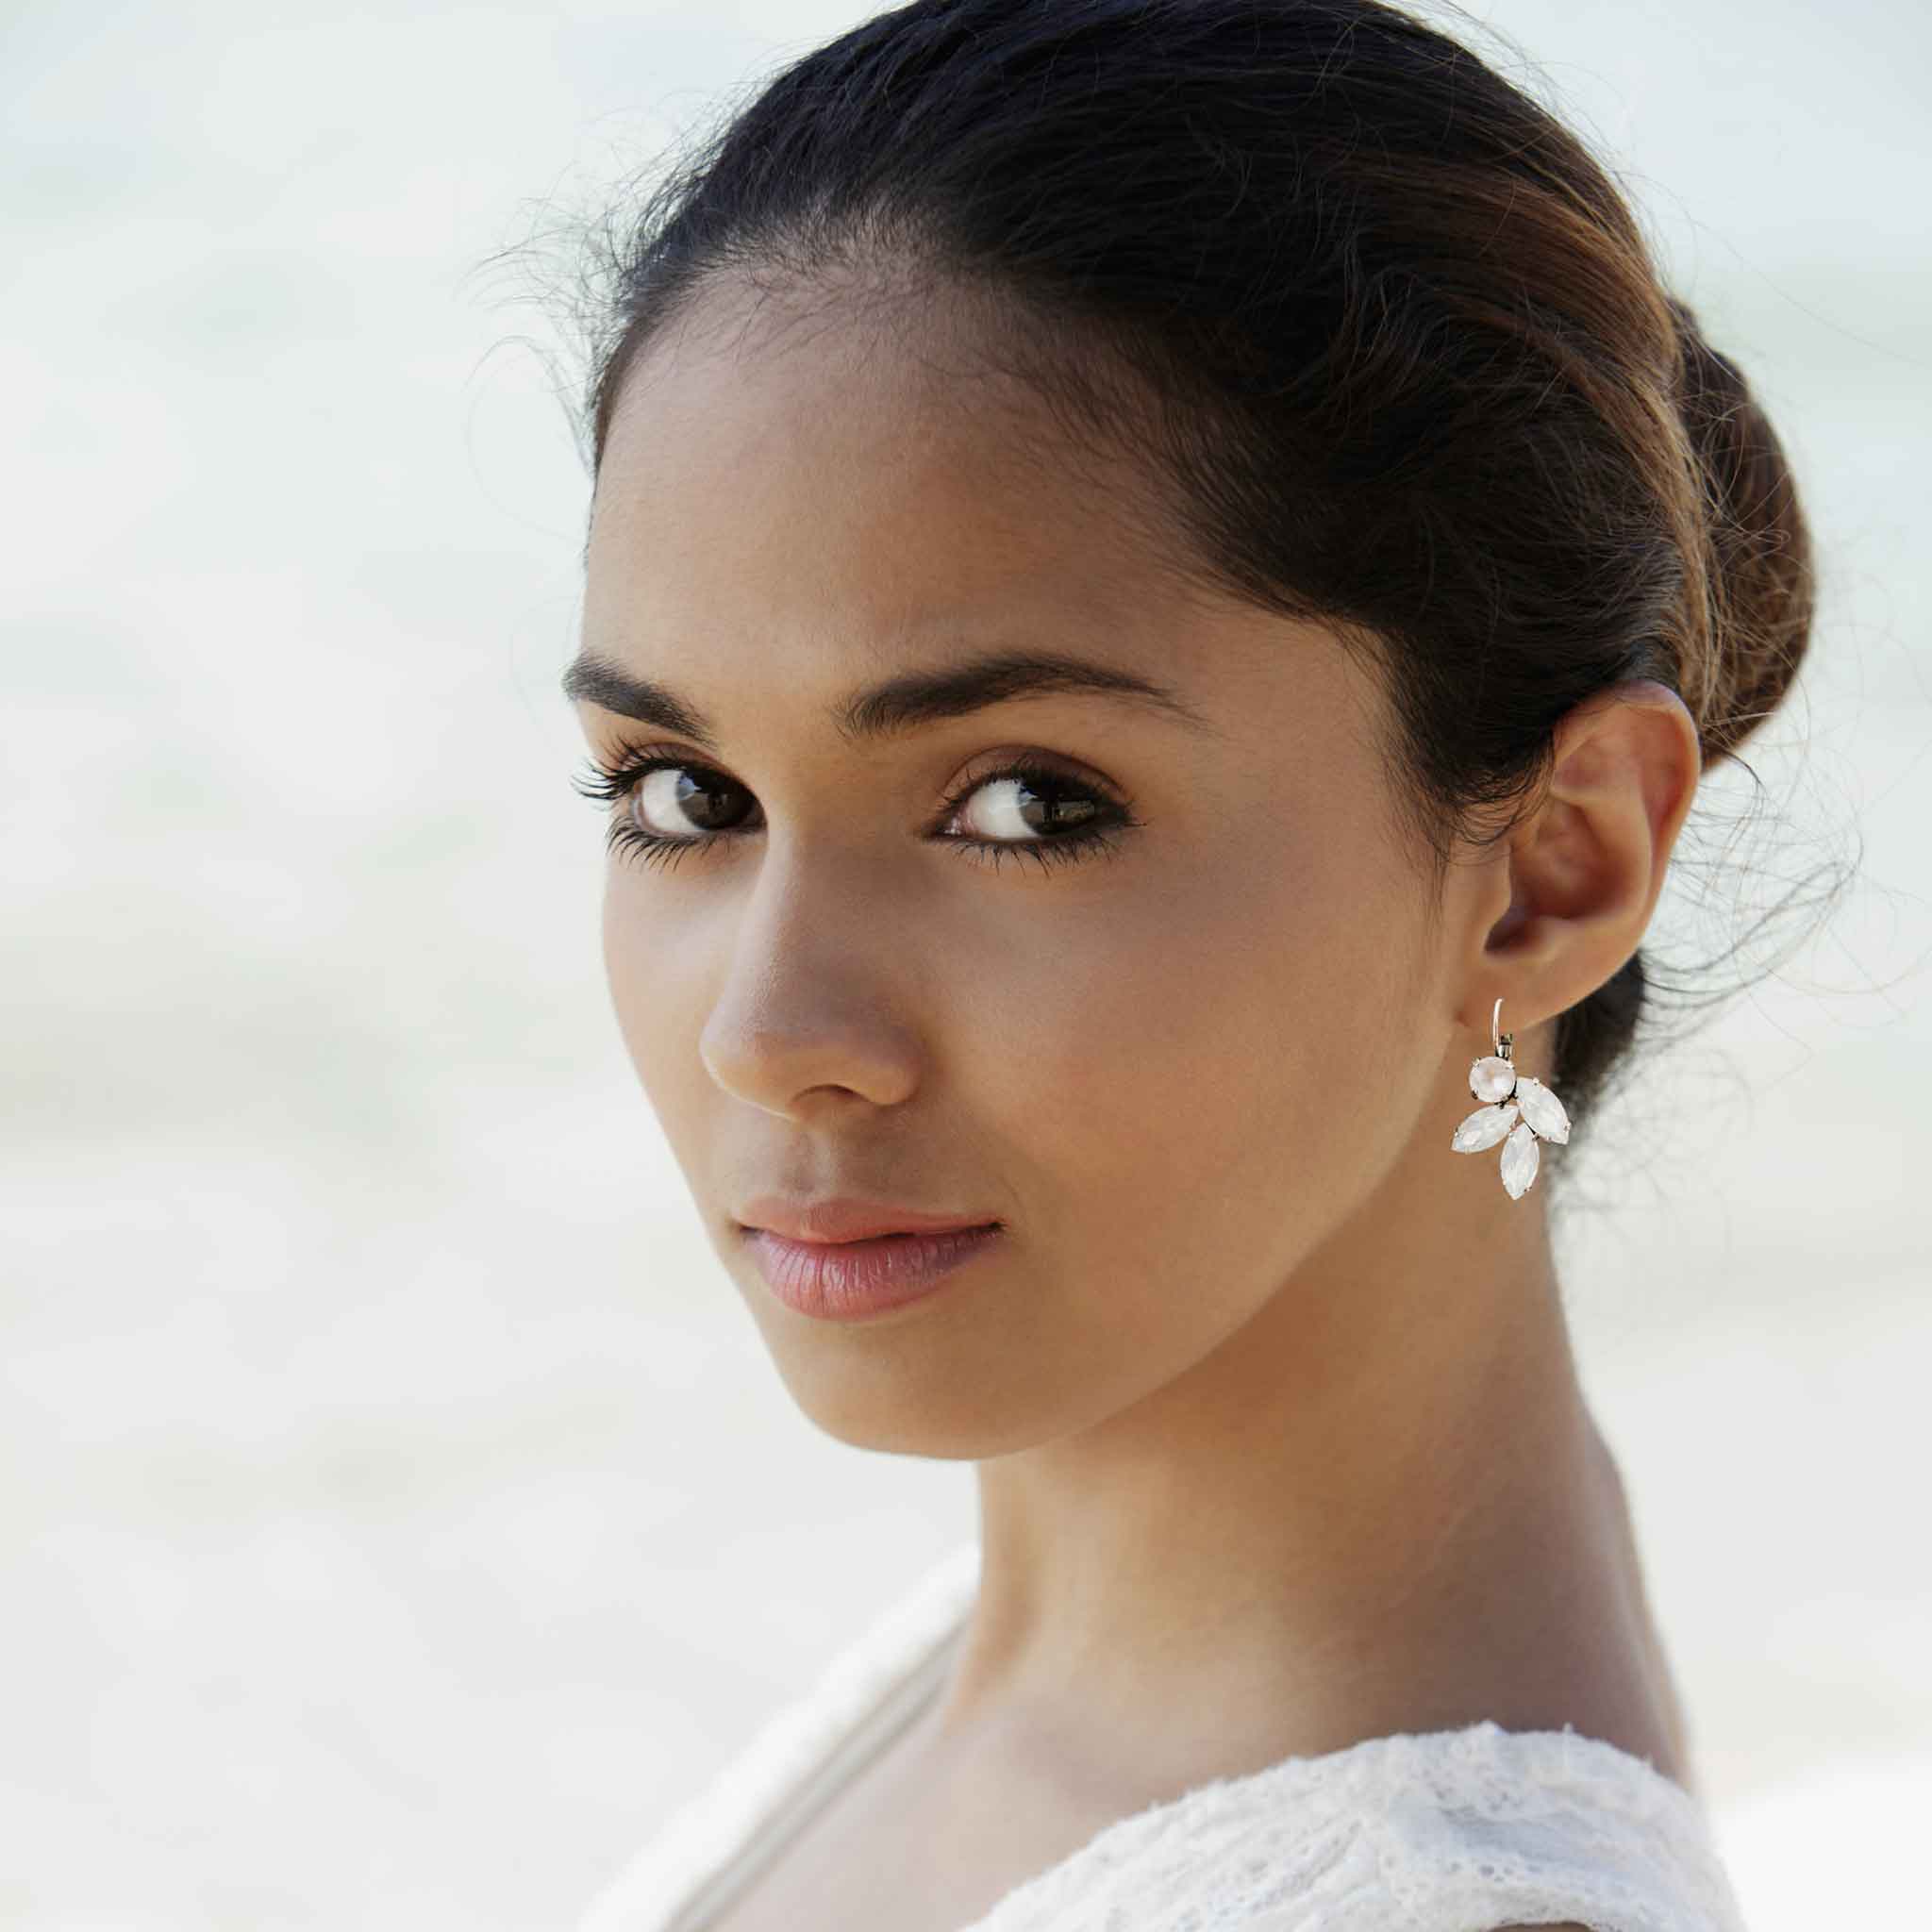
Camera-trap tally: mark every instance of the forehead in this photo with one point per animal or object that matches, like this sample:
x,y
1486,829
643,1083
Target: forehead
x,y
820,481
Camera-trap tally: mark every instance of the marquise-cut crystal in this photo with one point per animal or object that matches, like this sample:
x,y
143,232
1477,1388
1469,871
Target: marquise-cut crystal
x,y
1542,1109
1491,1077
1519,1160
1484,1127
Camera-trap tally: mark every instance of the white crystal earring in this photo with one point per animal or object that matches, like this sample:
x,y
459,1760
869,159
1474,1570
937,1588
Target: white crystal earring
x,y
1521,1112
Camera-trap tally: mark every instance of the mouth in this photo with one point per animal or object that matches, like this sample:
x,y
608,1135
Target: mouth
x,y
846,1281
844,1221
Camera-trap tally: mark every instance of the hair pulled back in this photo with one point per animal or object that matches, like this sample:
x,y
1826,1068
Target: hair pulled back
x,y
1383,329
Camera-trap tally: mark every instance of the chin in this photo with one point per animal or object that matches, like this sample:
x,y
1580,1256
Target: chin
x,y
935,1409
966,1377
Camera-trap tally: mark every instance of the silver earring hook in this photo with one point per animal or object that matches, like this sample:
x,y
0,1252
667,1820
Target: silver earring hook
x,y
1501,1039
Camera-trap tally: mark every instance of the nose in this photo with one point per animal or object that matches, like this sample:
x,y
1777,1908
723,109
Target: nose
x,y
812,1001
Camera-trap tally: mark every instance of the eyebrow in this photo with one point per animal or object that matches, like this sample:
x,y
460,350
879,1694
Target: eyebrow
x,y
896,706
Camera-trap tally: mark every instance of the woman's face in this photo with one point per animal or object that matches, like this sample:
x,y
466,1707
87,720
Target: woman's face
x,y
1171,1060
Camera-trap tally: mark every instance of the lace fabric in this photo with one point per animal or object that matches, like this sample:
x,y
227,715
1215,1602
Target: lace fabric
x,y
1448,1831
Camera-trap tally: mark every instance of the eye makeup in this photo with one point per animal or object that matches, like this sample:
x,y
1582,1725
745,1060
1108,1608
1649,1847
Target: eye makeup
x,y
1091,820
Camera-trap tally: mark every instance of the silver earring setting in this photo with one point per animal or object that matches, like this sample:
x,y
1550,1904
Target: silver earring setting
x,y
1519,1112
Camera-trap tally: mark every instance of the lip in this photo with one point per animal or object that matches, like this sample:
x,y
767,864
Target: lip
x,y
844,1218
847,1281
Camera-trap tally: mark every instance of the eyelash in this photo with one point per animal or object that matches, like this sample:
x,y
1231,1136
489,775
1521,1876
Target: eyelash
x,y
617,781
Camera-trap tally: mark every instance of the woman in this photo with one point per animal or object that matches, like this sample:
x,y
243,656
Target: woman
x,y
1161,579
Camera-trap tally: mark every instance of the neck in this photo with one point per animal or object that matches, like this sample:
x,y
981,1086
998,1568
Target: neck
x,y
1381,1506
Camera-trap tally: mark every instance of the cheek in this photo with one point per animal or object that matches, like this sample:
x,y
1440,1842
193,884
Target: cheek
x,y
625,965
655,975
1209,1077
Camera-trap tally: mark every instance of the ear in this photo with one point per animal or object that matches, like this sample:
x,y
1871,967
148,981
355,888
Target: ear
x,y
1587,866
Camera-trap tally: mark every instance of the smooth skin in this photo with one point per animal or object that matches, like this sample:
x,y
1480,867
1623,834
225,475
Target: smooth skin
x,y
1279,1440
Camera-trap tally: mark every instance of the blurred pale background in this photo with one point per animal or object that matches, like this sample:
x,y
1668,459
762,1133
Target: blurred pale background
x,y
400,1512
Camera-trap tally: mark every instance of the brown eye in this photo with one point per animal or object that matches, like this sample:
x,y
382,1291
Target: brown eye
x,y
1025,805
671,807
673,802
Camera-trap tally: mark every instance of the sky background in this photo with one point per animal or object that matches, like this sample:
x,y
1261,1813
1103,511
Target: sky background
x,y
398,1512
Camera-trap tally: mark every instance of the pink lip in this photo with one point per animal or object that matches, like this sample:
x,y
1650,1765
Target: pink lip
x,y
846,1281
843,1218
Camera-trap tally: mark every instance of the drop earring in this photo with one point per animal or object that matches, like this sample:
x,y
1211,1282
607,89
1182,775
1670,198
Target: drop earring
x,y
1519,1112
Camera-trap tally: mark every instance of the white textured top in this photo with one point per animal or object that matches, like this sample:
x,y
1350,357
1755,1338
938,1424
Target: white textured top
x,y
1444,1831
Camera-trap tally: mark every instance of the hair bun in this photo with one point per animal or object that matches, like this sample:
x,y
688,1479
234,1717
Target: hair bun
x,y
1759,547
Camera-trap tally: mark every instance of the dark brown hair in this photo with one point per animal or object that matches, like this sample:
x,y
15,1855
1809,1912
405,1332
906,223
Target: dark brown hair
x,y
1390,340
